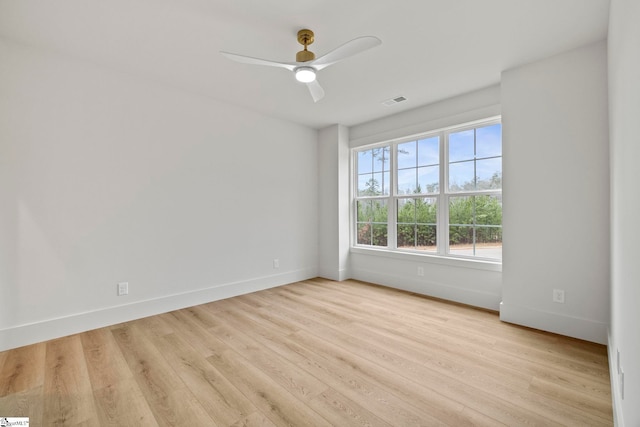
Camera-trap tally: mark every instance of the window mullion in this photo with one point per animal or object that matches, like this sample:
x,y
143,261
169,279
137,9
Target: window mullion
x,y
392,204
443,198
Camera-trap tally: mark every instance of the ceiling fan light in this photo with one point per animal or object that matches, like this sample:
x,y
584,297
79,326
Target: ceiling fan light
x,y
305,74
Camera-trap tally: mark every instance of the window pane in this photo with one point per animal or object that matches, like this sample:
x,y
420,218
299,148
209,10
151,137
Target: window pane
x,y
489,173
386,183
372,222
489,242
426,238
407,181
380,159
363,210
488,210
417,223
462,176
406,236
489,141
365,161
461,146
379,181
371,210
461,240
407,155
406,211
370,184
379,235
428,178
426,211
365,185
379,210
461,210
364,234
428,151
476,226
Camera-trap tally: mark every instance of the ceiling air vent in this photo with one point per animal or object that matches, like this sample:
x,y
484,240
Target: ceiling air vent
x,y
393,101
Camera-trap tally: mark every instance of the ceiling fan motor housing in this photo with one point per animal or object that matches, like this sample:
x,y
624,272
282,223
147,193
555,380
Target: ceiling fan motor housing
x,y
305,38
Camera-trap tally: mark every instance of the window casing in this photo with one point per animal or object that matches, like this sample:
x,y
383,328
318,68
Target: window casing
x,y
439,193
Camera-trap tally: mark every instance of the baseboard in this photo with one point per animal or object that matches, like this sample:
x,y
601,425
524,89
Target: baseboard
x,y
429,288
333,274
616,399
21,335
576,327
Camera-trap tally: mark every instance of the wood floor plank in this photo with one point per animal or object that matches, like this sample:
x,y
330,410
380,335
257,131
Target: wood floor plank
x,y
256,419
360,387
123,404
28,403
224,403
583,402
289,376
273,400
67,385
270,323
119,400
23,369
105,363
342,411
316,352
170,401
194,333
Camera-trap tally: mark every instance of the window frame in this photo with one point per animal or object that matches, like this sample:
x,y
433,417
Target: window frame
x,y
443,196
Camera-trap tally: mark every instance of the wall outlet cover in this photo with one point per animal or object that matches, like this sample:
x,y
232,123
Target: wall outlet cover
x,y
123,288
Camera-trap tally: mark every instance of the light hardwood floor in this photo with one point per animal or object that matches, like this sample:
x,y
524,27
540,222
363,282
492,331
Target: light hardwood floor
x,y
314,353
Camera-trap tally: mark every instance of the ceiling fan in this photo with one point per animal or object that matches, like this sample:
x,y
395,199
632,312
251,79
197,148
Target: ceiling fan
x,y
306,66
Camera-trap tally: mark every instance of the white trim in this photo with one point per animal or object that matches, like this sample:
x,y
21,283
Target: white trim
x,y
576,327
434,289
21,335
331,274
440,124
451,261
616,399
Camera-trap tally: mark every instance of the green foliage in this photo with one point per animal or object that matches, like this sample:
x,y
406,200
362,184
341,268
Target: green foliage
x,y
481,215
417,222
472,219
372,222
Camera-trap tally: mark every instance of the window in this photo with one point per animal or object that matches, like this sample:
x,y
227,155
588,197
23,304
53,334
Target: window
x,y
439,193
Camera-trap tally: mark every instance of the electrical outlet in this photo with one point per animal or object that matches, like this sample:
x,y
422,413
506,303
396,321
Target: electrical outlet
x,y
420,271
123,288
558,296
276,263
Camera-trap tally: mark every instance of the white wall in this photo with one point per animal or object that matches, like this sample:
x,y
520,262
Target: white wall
x,y
467,282
624,117
107,177
333,200
556,193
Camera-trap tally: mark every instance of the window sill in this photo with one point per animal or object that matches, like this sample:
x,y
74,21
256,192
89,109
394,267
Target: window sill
x,y
450,261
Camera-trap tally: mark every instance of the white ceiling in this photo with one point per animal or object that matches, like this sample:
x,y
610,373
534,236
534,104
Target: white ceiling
x,y
431,49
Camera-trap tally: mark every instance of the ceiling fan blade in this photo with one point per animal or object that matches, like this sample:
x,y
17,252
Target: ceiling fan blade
x,y
317,93
348,49
257,61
